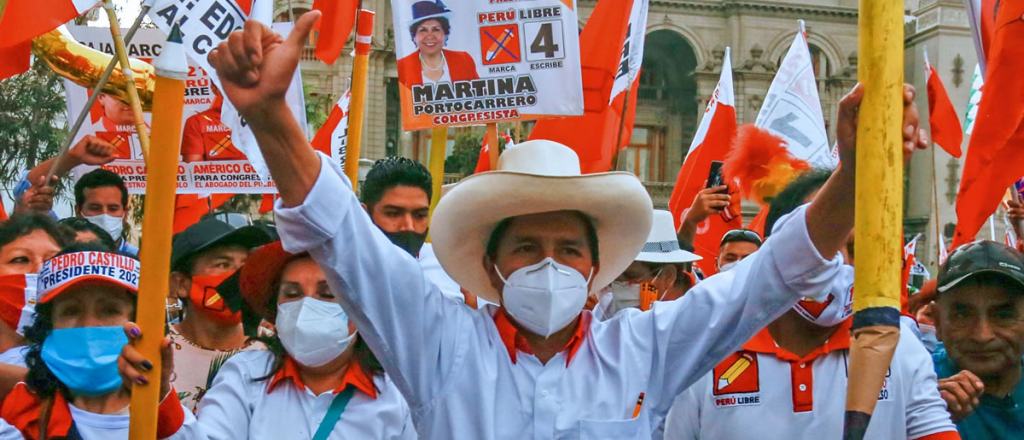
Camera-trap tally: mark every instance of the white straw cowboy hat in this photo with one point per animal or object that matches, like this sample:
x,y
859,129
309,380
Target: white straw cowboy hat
x,y
535,177
662,244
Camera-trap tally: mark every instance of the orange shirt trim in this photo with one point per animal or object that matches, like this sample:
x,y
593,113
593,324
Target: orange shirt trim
x,y
515,342
354,376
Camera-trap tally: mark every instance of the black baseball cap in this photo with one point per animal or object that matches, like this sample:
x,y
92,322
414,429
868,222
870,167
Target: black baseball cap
x,y
212,232
981,257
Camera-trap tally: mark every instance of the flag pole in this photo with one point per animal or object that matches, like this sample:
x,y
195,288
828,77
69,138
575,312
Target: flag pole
x,y
492,142
438,147
879,195
96,90
360,72
940,243
133,95
161,175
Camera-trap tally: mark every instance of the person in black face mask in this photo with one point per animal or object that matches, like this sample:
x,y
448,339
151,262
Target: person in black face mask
x,y
396,195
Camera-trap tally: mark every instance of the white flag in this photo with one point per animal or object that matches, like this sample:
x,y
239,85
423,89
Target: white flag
x,y
632,49
792,108
974,99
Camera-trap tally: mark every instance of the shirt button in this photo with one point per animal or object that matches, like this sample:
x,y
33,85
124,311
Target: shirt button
x,y
544,393
803,387
803,365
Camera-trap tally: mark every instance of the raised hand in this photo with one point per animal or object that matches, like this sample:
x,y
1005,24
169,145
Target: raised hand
x,y
38,197
914,138
255,65
92,150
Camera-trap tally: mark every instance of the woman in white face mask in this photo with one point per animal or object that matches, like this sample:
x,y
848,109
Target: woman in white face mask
x,y
317,379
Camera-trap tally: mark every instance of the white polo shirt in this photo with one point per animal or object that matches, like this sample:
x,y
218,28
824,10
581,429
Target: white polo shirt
x,y
463,381
238,407
767,393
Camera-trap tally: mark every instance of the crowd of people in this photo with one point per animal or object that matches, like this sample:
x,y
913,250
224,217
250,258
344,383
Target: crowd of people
x,y
546,304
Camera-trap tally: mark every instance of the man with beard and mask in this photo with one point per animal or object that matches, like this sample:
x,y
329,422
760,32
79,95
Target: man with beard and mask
x,y
397,194
535,236
202,256
661,267
794,372
737,244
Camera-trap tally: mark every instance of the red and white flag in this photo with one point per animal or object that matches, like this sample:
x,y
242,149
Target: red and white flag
x,y
483,162
332,137
792,108
909,261
943,252
24,20
18,300
712,142
334,27
942,117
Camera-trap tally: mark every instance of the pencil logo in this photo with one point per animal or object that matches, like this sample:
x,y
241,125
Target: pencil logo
x,y
500,44
737,374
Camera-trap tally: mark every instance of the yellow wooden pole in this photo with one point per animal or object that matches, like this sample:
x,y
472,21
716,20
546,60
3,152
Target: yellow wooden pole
x,y
158,224
126,68
879,215
438,146
357,108
492,145
3,7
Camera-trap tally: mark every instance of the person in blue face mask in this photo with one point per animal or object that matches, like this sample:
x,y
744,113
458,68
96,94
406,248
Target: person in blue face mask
x,y
73,388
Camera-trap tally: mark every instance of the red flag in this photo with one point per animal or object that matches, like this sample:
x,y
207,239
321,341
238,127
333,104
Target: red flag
x,y
483,162
942,117
594,135
712,142
332,137
758,223
981,14
24,20
335,25
189,208
996,158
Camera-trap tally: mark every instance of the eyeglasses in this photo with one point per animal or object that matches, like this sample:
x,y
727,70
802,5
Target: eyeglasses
x,y
741,235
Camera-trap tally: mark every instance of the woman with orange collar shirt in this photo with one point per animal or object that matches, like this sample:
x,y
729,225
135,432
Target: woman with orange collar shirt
x,y
431,63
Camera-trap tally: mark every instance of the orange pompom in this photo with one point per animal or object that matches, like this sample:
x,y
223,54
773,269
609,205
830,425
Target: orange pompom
x,y
761,164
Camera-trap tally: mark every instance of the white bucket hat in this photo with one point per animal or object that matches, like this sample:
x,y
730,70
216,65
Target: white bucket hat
x,y
535,177
662,244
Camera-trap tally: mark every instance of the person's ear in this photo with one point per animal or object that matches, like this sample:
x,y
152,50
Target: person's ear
x,y
180,285
365,208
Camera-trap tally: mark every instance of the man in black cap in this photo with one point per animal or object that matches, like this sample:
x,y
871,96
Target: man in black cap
x,y
202,256
979,317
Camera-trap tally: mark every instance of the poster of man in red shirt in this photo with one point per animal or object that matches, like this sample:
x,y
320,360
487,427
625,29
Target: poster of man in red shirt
x,y
206,138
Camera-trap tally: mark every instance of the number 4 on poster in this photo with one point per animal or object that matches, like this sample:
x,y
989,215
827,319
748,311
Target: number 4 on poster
x,y
545,40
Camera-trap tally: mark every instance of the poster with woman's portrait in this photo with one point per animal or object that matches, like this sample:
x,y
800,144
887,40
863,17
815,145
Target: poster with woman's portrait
x,y
467,62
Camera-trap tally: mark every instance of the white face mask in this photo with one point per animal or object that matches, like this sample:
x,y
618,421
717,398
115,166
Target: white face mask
x,y
929,337
314,332
728,266
546,296
837,307
113,225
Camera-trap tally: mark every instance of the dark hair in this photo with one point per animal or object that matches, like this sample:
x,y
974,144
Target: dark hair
x,y
78,224
502,228
393,171
741,234
20,225
99,178
794,195
39,378
445,26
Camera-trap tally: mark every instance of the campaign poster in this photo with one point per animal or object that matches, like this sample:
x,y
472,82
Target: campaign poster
x,y
210,161
467,62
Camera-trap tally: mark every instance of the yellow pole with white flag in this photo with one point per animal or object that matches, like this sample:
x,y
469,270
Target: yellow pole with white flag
x,y
879,214
158,223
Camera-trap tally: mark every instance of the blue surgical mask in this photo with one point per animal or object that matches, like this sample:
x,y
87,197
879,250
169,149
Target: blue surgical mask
x,y
85,358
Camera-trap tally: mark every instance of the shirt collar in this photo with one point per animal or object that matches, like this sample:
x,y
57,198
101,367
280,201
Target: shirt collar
x,y
763,342
515,342
354,376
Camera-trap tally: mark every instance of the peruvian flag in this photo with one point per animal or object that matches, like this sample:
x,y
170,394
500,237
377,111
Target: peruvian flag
x,y
332,137
189,208
996,148
712,142
334,27
943,252
483,162
605,125
942,118
792,109
909,261
24,20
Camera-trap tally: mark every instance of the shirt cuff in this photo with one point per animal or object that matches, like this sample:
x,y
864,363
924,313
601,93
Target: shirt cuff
x,y
170,415
20,188
797,260
320,215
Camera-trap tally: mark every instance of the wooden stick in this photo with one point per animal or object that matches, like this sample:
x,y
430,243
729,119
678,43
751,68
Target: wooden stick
x,y
940,243
878,219
161,178
126,68
357,109
492,145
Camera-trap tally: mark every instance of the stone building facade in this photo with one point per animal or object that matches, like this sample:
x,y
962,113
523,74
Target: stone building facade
x,y
686,41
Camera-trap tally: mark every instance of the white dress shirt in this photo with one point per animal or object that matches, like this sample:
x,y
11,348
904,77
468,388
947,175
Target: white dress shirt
x,y
456,373
238,407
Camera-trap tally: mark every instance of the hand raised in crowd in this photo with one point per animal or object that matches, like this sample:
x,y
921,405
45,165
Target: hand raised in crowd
x,y
914,138
1015,211
92,150
707,202
256,65
38,197
961,393
132,365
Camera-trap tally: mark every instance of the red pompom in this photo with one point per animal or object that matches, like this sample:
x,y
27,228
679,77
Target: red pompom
x,y
761,164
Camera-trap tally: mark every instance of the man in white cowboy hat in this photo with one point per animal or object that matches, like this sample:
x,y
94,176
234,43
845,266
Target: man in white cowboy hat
x,y
534,236
660,267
